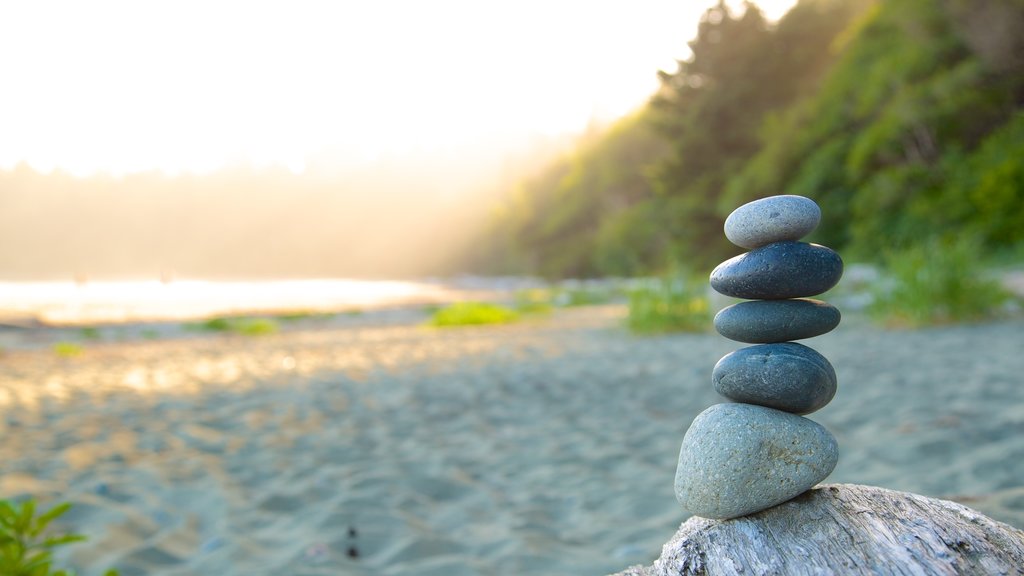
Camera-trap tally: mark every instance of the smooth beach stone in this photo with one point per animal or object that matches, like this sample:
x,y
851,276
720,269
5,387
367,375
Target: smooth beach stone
x,y
737,459
786,376
772,219
779,271
763,321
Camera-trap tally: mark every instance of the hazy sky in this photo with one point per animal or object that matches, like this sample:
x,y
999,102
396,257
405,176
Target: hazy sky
x,y
194,85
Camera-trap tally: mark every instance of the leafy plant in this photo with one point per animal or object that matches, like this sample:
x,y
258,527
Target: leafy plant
x,y
67,349
936,283
243,326
472,313
255,326
215,325
671,304
302,315
25,549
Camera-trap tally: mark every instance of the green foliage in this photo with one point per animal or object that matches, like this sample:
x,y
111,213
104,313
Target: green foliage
x,y
670,304
255,326
25,548
90,333
472,313
552,223
936,283
242,326
303,315
889,145
67,349
902,119
215,325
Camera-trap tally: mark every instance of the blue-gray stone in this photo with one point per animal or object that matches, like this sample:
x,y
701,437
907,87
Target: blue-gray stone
x,y
772,219
778,271
764,321
738,459
786,376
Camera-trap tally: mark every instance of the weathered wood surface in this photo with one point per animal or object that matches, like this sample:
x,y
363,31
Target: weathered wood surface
x,y
845,529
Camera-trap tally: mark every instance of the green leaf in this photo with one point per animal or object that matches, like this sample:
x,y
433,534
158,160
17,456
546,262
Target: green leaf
x,y
28,510
36,561
44,520
8,516
65,539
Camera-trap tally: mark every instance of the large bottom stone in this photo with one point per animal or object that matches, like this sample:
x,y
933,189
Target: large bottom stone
x,y
738,459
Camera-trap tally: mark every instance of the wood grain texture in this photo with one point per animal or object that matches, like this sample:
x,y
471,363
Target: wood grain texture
x,y
845,529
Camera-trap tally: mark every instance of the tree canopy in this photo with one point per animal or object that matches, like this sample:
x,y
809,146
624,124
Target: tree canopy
x,y
903,119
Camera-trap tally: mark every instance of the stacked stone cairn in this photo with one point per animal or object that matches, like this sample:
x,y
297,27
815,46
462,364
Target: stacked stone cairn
x,y
759,451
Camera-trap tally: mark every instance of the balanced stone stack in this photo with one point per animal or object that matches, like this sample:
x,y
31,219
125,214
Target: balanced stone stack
x,y
759,451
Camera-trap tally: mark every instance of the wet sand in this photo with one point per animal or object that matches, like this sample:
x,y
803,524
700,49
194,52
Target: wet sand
x,y
546,447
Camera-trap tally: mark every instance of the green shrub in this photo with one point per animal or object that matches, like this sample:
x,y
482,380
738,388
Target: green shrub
x,y
215,325
254,326
673,304
472,313
24,548
67,349
243,326
937,282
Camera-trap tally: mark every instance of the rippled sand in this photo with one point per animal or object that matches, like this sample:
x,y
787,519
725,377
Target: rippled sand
x,y
541,448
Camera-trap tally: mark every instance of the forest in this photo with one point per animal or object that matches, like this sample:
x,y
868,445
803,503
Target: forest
x,y
903,119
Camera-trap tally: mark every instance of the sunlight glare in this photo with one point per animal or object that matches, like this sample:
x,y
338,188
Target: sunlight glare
x,y
123,86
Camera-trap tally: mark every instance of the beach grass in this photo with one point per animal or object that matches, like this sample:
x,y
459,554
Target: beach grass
x,y
242,326
472,314
938,282
670,304
302,315
67,349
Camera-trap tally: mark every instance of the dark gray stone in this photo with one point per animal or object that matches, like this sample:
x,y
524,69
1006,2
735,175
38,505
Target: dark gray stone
x,y
737,459
763,321
772,219
778,271
786,376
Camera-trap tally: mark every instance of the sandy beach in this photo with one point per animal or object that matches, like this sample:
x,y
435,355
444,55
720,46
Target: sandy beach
x,y
547,447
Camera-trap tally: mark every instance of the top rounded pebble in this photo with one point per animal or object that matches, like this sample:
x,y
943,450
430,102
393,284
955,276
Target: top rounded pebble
x,y
772,219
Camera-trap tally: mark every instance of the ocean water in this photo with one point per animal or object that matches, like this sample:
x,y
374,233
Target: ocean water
x,y
71,303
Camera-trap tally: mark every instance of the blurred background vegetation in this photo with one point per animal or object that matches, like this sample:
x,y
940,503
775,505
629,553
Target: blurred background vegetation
x,y
903,119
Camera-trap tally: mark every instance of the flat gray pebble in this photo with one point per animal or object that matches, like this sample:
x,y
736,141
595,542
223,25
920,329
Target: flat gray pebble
x,y
772,219
779,271
738,459
764,321
785,376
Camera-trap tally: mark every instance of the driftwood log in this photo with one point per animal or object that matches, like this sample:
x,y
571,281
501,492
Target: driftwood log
x,y
845,529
